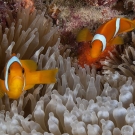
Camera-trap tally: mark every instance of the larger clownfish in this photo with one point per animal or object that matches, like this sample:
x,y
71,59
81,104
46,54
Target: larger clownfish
x,y
21,75
105,35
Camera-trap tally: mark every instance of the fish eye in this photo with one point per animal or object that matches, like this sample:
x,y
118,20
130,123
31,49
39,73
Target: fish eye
x,y
90,46
102,49
23,70
8,71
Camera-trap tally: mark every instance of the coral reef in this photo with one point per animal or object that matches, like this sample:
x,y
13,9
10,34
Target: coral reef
x,y
84,101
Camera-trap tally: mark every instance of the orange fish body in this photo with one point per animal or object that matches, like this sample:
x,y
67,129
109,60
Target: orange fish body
x,y
105,35
21,75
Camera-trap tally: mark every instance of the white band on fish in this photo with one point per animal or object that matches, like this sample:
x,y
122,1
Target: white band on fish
x,y
117,26
12,60
102,39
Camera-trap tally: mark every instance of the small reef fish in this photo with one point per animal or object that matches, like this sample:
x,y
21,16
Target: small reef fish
x,y
21,75
105,35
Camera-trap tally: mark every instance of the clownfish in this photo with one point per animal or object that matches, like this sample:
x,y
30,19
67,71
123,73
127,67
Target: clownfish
x,y
105,35
21,75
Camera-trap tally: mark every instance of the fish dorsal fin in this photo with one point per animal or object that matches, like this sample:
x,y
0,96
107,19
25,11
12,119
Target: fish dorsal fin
x,y
116,41
84,35
29,65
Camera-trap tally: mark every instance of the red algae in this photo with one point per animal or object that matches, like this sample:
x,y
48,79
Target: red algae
x,y
85,58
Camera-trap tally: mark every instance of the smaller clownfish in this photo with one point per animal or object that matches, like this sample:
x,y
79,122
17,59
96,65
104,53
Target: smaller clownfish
x,y
21,75
105,35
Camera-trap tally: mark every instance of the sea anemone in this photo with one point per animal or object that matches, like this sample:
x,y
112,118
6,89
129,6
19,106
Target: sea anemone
x,y
82,102
29,34
123,63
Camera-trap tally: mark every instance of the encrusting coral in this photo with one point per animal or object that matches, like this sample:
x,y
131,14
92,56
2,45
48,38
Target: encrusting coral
x,y
82,102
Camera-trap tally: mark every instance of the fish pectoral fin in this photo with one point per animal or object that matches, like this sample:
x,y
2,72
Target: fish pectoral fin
x,y
41,77
2,88
116,41
84,35
29,65
27,87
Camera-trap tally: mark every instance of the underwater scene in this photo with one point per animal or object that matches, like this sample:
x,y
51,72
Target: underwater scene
x,y
67,67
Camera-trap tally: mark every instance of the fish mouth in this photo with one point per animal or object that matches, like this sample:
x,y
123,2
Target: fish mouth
x,y
16,84
17,77
15,87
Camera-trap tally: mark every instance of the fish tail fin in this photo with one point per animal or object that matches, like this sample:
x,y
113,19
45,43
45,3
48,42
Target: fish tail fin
x,y
133,21
84,35
48,76
40,77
